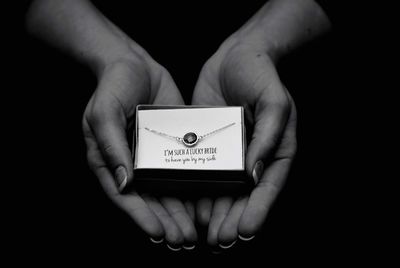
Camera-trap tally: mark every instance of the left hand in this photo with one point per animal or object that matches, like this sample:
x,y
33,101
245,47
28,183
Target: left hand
x,y
108,116
243,74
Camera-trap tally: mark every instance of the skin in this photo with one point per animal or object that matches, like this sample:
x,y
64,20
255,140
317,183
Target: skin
x,y
241,72
246,76
107,116
127,76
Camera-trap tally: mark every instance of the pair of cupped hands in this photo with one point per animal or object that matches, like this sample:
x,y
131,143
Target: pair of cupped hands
x,y
240,74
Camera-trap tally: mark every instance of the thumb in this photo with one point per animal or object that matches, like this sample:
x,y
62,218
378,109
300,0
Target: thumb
x,y
270,119
109,131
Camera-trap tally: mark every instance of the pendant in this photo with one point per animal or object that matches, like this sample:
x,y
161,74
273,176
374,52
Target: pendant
x,y
190,139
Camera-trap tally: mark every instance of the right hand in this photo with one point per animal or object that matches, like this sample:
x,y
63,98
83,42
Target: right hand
x,y
122,85
241,73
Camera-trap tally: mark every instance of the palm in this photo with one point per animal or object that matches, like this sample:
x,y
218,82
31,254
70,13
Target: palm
x,y
243,75
108,116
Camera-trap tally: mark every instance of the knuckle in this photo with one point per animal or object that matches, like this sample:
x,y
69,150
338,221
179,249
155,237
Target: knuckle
x,y
102,110
111,154
96,116
280,103
108,149
94,160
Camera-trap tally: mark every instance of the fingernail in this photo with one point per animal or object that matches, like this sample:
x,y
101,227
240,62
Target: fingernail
x,y
121,177
155,241
189,247
173,249
227,246
258,171
243,238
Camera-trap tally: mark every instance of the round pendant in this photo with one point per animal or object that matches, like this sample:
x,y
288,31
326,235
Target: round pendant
x,y
190,139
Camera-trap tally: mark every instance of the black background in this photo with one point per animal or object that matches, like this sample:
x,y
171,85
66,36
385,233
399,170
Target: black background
x,y
61,210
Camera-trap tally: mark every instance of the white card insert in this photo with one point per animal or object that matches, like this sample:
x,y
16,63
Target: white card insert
x,y
222,150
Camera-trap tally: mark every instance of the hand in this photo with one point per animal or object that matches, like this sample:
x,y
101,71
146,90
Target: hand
x,y
241,73
127,76
108,115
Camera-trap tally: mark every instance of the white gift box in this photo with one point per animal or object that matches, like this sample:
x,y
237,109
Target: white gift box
x,y
181,148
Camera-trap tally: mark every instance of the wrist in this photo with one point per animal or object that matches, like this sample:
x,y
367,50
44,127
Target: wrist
x,y
281,26
259,41
256,37
127,53
135,67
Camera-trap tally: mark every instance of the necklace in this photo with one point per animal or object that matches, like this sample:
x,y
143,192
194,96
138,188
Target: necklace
x,y
190,139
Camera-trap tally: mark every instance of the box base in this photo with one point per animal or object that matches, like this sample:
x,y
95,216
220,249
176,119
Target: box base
x,y
190,183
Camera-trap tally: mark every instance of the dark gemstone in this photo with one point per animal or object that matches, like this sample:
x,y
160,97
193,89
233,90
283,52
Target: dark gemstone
x,y
190,138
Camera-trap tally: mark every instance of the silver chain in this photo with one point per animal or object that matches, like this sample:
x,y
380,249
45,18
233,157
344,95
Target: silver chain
x,y
163,134
180,139
215,131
